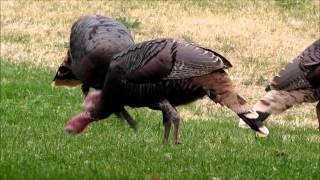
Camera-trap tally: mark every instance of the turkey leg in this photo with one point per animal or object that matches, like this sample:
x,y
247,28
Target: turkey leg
x,y
170,114
318,113
125,115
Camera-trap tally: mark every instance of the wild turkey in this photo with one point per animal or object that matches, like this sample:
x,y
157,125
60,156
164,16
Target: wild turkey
x,y
298,82
161,74
94,39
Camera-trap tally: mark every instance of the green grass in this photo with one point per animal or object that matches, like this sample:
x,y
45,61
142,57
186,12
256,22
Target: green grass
x,y
185,37
256,35
16,38
290,4
225,44
130,24
301,9
34,146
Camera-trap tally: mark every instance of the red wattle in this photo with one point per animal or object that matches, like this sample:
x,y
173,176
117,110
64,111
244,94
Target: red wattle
x,y
91,101
77,123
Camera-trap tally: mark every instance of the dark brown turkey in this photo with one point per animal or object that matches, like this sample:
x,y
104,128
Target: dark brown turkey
x,y
94,39
298,82
161,74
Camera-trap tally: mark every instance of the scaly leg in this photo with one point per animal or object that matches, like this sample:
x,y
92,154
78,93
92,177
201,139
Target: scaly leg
x,y
167,127
176,123
318,113
125,115
170,114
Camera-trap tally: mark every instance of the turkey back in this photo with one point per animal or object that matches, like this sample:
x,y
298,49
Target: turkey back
x,y
94,39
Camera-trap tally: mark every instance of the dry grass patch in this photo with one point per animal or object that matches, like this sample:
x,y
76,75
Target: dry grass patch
x,y
258,37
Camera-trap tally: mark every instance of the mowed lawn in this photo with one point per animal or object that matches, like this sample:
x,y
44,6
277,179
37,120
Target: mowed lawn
x,y
34,145
258,37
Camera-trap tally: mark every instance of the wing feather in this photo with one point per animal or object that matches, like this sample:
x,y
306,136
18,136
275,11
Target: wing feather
x,y
192,60
311,55
164,59
294,75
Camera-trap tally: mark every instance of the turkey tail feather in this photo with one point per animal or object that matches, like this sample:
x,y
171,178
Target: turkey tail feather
x,y
64,75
